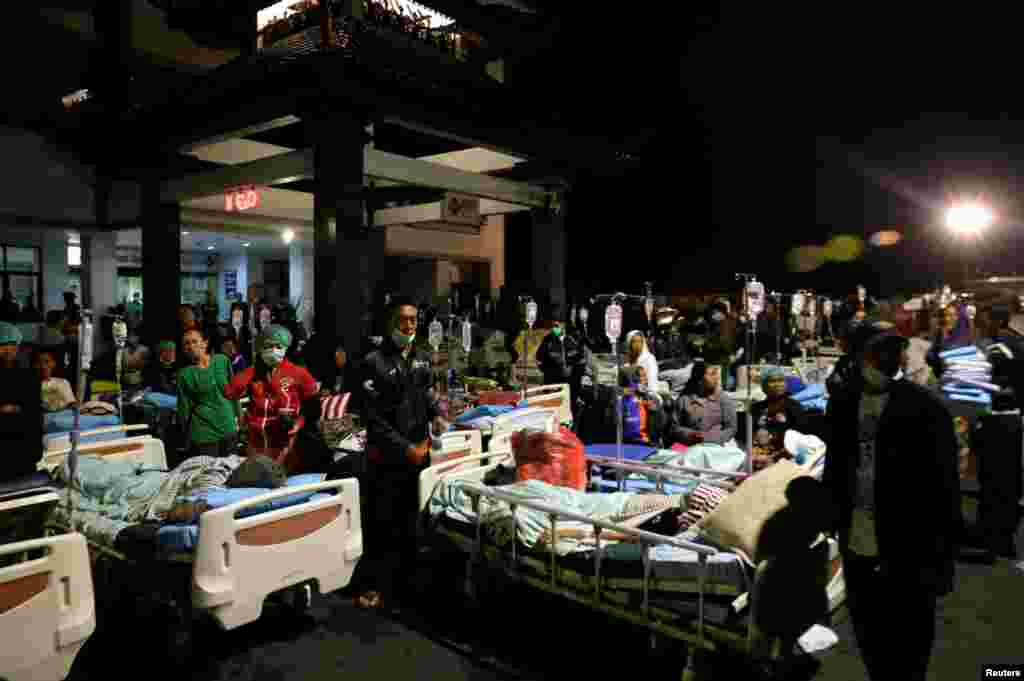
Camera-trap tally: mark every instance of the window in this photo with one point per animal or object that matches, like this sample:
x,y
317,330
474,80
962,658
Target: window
x,y
22,275
74,255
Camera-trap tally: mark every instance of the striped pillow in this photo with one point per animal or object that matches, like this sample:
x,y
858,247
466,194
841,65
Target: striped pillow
x,y
701,502
333,407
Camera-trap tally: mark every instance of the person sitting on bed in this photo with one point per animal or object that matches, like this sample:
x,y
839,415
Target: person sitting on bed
x,y
773,416
642,417
703,413
57,393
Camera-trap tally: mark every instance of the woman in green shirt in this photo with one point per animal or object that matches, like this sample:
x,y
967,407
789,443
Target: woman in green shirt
x,y
210,419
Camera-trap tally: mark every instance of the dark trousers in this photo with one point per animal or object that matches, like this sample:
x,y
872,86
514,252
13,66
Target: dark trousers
x,y
225,447
893,619
389,527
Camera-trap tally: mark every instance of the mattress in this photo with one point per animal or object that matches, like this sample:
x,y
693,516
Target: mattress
x,y
185,538
62,422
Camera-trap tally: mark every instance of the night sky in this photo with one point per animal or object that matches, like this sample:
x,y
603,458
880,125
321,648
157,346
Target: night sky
x,y
725,183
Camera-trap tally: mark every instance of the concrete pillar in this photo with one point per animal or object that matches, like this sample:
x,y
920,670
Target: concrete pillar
x,y
548,241
55,271
254,271
302,280
99,279
161,265
345,250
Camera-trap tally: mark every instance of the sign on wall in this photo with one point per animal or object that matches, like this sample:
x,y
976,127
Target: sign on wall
x,y
230,283
241,198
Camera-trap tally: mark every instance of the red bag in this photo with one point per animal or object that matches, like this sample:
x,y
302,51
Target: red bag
x,y
554,458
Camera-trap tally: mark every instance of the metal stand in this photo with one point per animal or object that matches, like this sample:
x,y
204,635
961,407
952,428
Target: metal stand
x,y
617,299
752,310
84,364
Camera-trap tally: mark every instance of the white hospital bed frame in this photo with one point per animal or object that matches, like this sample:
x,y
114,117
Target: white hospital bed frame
x,y
552,396
240,561
655,619
47,606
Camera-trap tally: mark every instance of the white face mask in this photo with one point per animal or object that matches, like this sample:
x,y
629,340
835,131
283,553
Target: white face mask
x,y
273,356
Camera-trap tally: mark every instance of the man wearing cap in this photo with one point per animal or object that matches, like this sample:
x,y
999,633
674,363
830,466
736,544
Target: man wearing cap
x,y
277,390
10,340
891,470
401,414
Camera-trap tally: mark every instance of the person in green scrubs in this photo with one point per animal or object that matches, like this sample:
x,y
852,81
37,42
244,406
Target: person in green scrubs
x,y
211,420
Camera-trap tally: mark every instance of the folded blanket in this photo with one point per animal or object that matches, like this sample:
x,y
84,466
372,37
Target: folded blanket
x,y
811,392
487,410
710,456
161,400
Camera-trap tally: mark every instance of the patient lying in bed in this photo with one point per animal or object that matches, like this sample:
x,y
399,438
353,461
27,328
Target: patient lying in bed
x,y
534,527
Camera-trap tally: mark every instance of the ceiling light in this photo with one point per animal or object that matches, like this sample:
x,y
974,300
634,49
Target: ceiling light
x,y
209,248
184,233
245,244
287,236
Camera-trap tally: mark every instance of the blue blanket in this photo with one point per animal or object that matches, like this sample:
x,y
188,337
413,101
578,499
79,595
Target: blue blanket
x,y
64,421
485,411
161,400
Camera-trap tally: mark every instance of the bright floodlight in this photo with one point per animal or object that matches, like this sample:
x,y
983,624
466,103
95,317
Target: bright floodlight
x,y
969,218
287,236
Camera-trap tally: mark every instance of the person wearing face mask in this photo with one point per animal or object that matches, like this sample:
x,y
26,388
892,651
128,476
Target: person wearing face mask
x,y
161,376
563,359
888,436
703,413
278,391
211,421
401,414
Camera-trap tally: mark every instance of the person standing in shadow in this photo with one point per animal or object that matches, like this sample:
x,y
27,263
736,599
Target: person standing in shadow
x,y
891,470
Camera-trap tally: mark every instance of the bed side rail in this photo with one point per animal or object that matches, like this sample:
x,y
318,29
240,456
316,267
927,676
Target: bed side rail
x,y
47,607
555,513
240,561
663,474
608,461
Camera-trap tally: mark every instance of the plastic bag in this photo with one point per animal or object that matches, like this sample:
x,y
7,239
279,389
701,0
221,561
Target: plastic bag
x,y
554,458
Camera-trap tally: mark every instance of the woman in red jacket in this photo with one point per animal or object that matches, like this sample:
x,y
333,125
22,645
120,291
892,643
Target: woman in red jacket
x,y
276,389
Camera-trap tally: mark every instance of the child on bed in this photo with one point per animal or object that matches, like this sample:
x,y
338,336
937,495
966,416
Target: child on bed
x,y
57,394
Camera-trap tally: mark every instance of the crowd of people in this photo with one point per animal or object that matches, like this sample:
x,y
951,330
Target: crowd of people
x,y
882,405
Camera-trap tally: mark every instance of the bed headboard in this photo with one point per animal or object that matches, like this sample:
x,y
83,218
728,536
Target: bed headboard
x,y
144,449
472,468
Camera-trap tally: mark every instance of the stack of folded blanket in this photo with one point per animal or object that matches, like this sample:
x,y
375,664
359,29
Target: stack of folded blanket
x,y
967,375
812,397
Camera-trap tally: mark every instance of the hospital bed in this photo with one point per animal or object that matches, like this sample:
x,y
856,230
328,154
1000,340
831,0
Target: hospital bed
x,y
47,608
553,396
294,539
676,587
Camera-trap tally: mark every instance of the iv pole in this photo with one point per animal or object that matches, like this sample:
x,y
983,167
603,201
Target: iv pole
x,y
119,331
617,299
84,365
531,319
751,308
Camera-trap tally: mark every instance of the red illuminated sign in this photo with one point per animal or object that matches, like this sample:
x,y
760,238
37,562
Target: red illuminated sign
x,y
241,198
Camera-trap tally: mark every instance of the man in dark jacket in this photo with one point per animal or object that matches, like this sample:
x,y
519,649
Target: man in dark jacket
x,y
399,409
563,359
892,472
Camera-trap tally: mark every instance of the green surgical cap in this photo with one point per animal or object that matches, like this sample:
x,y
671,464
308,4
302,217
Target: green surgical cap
x,y
168,345
771,373
275,333
9,334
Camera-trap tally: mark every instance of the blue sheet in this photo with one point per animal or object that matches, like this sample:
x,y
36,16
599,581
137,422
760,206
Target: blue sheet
x,y
642,486
184,538
102,437
161,400
64,421
629,452
484,411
